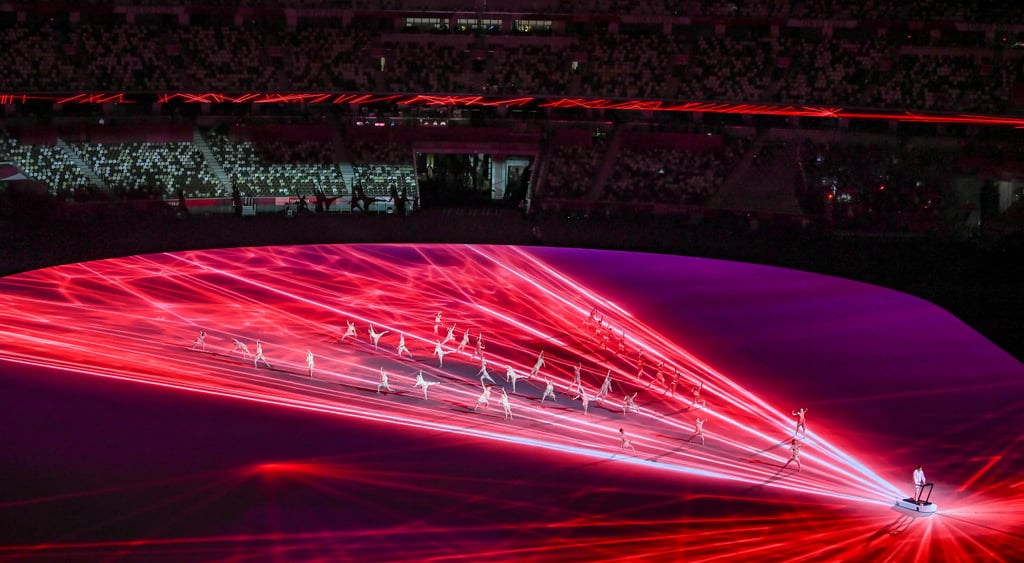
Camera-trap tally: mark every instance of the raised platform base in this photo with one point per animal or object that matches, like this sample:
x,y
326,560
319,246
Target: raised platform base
x,y
923,507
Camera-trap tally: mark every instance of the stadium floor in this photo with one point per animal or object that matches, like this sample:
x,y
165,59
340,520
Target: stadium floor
x,y
125,440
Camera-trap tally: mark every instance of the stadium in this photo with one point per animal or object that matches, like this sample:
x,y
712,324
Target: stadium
x,y
544,280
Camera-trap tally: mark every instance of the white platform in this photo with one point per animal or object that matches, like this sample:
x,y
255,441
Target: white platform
x,y
922,507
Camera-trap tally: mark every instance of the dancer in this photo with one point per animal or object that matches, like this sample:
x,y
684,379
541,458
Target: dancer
x,y
697,401
464,342
698,430
450,336
590,317
424,384
606,387
801,421
629,403
375,337
794,448
622,345
350,331
200,341
483,399
586,400
505,405
511,375
383,381
658,376
577,382
309,362
439,352
479,345
625,442
259,356
437,322
401,345
670,389
240,346
484,374
538,365
549,391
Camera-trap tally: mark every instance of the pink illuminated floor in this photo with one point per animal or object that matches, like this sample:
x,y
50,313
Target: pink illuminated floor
x,y
123,442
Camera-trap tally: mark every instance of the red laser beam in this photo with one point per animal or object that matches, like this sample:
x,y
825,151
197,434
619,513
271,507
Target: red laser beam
x,y
454,100
520,305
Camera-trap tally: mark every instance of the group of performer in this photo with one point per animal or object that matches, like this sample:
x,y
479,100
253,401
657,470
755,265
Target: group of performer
x,y
444,337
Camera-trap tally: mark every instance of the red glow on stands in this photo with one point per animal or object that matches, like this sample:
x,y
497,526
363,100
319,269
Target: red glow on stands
x,y
466,101
696,107
286,98
6,99
483,101
84,98
273,98
366,99
94,98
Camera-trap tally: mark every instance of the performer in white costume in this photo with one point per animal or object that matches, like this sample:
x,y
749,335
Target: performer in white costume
x,y
240,347
200,341
539,364
259,356
439,352
629,403
383,381
350,331
513,376
484,399
424,384
624,442
505,405
484,374
375,336
549,391
402,347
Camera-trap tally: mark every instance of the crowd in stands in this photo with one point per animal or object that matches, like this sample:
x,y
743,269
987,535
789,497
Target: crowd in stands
x,y
47,164
384,152
838,69
424,67
159,169
864,182
321,58
859,68
724,67
386,180
384,170
570,170
672,176
505,73
923,10
277,168
624,66
304,152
